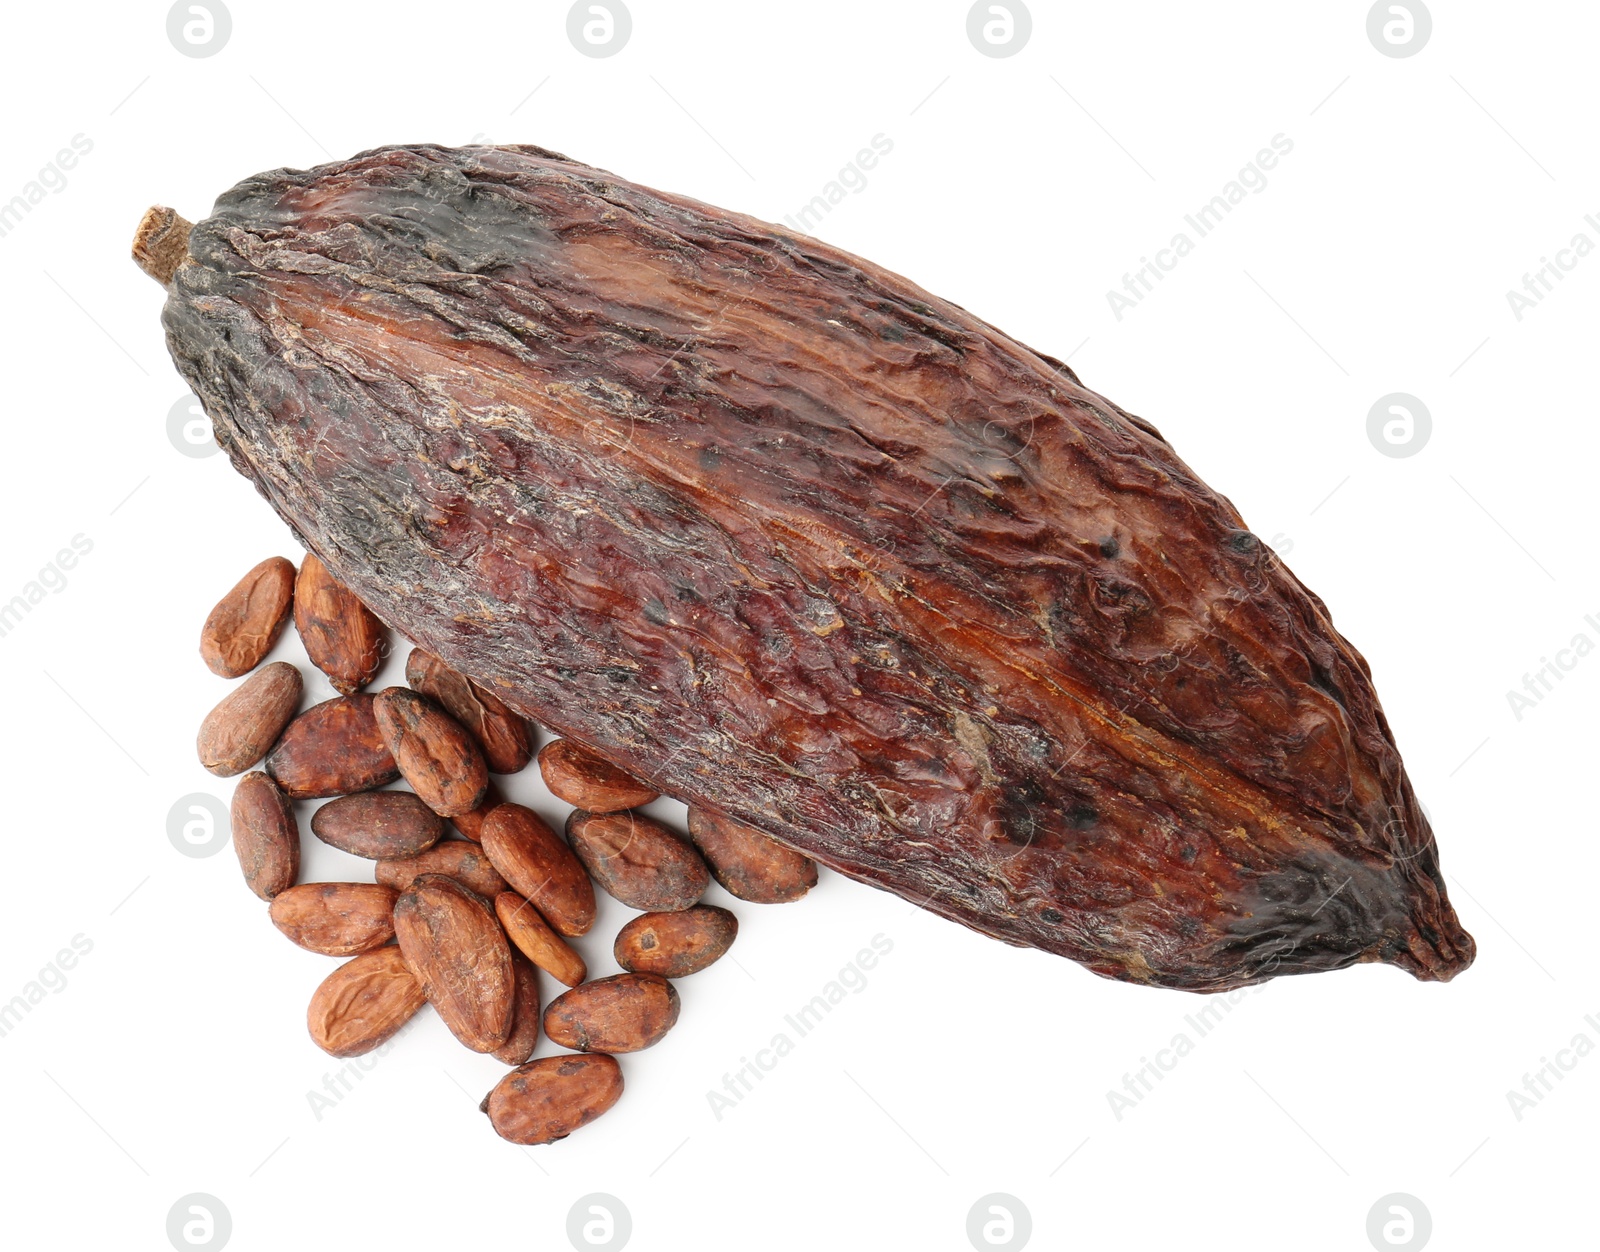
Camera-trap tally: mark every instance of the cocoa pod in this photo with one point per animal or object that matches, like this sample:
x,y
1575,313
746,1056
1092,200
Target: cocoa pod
x,y
638,860
503,735
548,1099
623,1013
247,622
470,823
336,918
266,836
341,636
747,863
588,781
458,952
378,824
441,761
533,937
675,945
454,858
364,1003
525,1015
540,867
332,749
243,727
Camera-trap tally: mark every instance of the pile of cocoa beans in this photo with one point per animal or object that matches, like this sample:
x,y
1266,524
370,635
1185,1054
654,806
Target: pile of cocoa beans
x,y
463,921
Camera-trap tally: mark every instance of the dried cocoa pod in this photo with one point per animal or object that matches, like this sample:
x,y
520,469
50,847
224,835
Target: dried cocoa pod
x,y
588,781
266,836
332,749
455,858
638,860
807,546
470,823
441,761
458,952
525,1014
363,1003
623,1013
243,727
342,637
540,867
675,945
548,1099
378,824
503,735
336,918
533,937
747,863
249,620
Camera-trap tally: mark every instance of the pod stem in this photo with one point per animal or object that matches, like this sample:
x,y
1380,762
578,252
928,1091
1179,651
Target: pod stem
x,y
161,243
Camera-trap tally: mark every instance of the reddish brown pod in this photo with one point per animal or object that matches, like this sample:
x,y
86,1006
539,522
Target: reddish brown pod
x,y
243,727
638,860
534,938
464,861
364,1003
336,918
586,780
458,952
623,1013
505,738
470,823
525,1015
540,867
747,863
332,749
675,945
378,824
247,622
341,636
266,836
443,764
548,1099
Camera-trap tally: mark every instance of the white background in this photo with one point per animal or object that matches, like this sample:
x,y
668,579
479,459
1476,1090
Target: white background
x,y
1377,260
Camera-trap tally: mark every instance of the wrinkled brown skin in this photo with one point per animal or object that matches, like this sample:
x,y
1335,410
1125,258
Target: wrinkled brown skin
x,y
266,836
638,860
504,736
248,622
378,825
675,945
441,761
454,858
531,935
459,954
364,1003
332,749
588,781
470,823
336,918
342,638
548,1099
243,727
747,863
790,538
541,868
525,1015
623,1013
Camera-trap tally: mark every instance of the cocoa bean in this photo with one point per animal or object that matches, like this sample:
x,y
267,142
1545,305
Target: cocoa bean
x,y
533,937
458,952
524,1035
266,836
548,1099
332,749
747,863
336,918
247,622
504,736
638,860
588,781
342,637
470,823
540,867
441,761
378,824
674,945
454,858
363,1003
623,1013
244,726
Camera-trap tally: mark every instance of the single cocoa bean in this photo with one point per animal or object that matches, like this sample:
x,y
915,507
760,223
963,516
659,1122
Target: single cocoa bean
x,y
458,952
342,637
266,836
454,858
378,824
674,945
336,918
524,1035
247,622
441,761
504,736
332,749
623,1013
533,937
470,823
363,1003
540,867
548,1099
638,860
243,727
747,863
588,781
